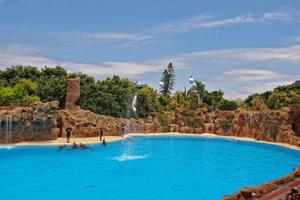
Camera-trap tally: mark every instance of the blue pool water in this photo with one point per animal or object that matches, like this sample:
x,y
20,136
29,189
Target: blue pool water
x,y
142,168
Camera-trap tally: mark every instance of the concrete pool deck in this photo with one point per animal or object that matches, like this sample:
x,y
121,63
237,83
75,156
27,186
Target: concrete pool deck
x,y
62,141
94,140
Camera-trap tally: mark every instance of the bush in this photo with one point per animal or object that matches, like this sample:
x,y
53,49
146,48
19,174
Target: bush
x,y
194,122
225,104
20,94
295,99
257,103
271,128
277,100
227,123
164,121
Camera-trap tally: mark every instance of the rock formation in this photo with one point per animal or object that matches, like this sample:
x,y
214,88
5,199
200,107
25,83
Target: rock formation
x,y
260,190
73,93
36,122
268,125
85,123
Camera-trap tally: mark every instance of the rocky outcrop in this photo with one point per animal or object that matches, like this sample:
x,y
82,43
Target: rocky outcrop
x,y
36,122
73,93
268,125
85,123
261,190
294,113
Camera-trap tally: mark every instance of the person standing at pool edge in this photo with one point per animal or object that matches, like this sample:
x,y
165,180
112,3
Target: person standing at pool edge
x,y
68,135
101,133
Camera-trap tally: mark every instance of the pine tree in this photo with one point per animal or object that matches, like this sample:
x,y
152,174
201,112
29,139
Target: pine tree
x,y
168,79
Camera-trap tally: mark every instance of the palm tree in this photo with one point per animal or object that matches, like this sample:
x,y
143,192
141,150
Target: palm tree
x,y
199,90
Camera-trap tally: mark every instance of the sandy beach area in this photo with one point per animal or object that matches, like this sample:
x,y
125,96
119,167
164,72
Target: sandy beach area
x,y
62,141
94,140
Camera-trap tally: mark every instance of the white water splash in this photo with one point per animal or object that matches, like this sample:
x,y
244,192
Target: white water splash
x,y
7,147
133,104
125,157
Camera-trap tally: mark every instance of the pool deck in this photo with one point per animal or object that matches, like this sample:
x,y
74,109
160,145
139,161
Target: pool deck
x,y
94,140
62,141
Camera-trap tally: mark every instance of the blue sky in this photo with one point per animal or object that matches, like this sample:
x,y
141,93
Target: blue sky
x,y
240,47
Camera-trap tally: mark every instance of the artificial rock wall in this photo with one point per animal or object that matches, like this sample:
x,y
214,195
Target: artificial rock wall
x,y
268,125
36,122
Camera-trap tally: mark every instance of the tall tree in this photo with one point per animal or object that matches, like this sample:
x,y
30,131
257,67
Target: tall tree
x,y
200,90
168,80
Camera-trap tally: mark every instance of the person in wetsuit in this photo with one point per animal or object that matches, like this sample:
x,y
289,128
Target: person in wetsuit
x,y
68,134
123,128
104,142
74,146
101,133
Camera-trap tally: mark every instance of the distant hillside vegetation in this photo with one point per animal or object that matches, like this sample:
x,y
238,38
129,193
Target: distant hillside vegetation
x,y
22,85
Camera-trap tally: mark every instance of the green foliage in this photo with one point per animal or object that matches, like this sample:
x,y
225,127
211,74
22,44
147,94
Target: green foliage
x,y
164,120
190,119
225,104
32,98
178,100
148,101
23,93
52,85
255,102
163,101
270,128
227,123
213,98
294,99
22,85
12,75
277,100
7,96
112,96
168,79
197,91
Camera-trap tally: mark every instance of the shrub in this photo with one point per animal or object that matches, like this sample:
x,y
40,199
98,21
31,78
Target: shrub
x,y
225,104
277,100
227,123
193,122
257,103
163,120
270,128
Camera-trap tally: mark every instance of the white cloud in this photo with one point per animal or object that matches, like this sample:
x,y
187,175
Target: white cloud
x,y
260,88
16,54
97,37
280,16
295,39
215,67
197,22
252,74
243,90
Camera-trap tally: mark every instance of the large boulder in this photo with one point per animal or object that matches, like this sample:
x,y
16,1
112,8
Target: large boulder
x,y
85,123
73,93
36,122
259,191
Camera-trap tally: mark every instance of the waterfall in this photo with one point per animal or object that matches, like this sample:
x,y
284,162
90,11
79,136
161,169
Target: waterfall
x,y
8,129
133,104
249,120
0,127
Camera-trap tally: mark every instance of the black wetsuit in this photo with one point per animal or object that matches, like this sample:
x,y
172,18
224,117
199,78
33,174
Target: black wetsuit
x,y
101,133
68,130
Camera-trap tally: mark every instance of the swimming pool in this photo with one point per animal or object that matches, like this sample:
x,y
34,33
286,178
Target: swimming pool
x,y
158,167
